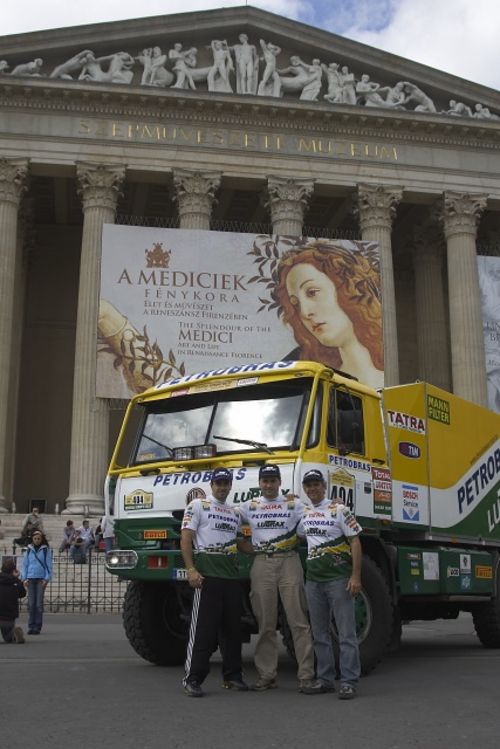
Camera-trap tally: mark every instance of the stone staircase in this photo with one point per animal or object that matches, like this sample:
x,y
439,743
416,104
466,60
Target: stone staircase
x,y
53,525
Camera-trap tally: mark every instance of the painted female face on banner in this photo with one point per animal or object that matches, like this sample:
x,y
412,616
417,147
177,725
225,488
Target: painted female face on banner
x,y
314,295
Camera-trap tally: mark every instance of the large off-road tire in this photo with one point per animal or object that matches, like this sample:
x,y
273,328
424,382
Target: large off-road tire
x,y
486,617
376,619
154,622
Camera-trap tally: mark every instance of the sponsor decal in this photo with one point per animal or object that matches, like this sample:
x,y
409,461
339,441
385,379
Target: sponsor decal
x,y
411,508
138,500
431,565
415,571
192,477
382,491
342,487
340,460
465,564
438,409
196,493
452,572
483,572
244,368
400,420
409,449
413,555
465,582
154,535
494,514
480,480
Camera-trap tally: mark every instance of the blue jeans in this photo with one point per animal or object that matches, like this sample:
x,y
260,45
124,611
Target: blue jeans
x,y
35,604
325,600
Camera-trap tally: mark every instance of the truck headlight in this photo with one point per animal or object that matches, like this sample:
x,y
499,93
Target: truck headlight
x,y
119,559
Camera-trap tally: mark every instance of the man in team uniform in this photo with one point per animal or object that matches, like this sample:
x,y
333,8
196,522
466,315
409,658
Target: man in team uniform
x,y
333,578
211,526
272,519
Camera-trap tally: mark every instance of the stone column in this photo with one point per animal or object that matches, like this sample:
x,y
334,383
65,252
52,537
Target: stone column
x,y
195,196
288,199
377,208
99,188
13,182
461,214
431,314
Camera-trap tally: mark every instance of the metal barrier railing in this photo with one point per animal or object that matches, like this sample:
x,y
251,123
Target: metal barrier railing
x,y
80,588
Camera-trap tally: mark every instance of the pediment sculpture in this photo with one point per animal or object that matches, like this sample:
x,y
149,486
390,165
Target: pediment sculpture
x,y
245,68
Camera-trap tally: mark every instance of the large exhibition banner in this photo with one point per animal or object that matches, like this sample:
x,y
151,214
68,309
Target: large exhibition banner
x,y
489,280
174,302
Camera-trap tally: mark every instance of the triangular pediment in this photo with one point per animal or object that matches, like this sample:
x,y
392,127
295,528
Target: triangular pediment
x,y
236,52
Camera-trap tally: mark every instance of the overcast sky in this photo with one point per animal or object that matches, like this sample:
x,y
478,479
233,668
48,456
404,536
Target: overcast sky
x,y
459,36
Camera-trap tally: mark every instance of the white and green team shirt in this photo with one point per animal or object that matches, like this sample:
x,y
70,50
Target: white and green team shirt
x,y
216,526
327,527
273,523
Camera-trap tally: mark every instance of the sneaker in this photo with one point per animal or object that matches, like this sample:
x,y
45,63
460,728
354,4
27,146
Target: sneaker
x,y
262,684
237,684
347,692
193,689
311,687
18,635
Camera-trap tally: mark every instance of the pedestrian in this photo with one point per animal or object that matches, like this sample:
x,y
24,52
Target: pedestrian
x,y
108,532
68,536
211,527
277,570
34,520
78,550
36,573
11,590
87,534
333,578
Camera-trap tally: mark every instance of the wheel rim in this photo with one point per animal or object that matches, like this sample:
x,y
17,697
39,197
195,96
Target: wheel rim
x,y
362,615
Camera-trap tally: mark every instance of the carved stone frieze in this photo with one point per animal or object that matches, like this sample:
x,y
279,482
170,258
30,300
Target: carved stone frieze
x,y
377,206
99,185
254,67
13,179
461,212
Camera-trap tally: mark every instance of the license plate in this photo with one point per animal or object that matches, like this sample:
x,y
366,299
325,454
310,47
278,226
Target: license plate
x,y
154,535
180,574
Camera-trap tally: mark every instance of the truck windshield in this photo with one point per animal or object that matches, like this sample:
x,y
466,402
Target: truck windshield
x,y
265,417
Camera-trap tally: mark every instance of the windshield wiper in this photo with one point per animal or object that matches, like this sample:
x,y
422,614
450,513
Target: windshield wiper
x,y
160,444
251,443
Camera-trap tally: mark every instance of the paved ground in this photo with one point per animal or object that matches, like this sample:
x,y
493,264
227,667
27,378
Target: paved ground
x,y
80,685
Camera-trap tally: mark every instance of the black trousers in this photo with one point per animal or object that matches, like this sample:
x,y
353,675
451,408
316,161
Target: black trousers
x,y
215,620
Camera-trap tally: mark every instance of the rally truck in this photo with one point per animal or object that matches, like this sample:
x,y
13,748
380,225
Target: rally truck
x,y
419,467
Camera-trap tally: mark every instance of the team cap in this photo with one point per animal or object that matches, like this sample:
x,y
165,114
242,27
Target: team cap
x,y
222,474
269,472
313,475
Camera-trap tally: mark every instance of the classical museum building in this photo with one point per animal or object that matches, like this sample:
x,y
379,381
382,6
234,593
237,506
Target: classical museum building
x,y
232,120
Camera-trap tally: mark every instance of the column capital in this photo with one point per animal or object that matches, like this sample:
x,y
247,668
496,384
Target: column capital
x,y
461,212
195,191
99,185
13,179
377,205
288,198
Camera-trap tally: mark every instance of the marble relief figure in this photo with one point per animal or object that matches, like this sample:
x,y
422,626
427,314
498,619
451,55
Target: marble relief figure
x,y
248,69
247,65
335,83
155,72
270,84
218,74
184,62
